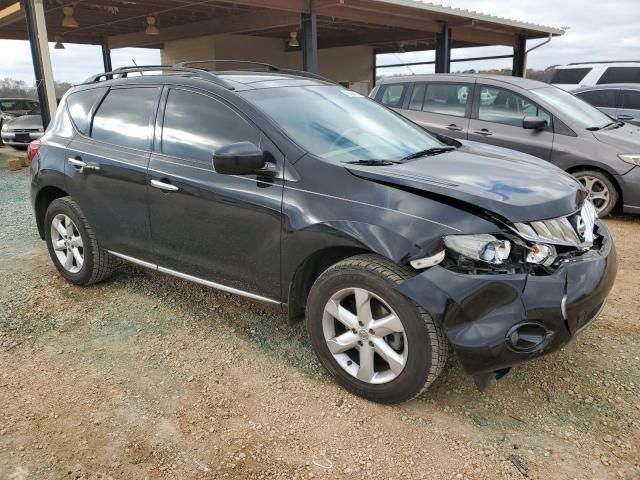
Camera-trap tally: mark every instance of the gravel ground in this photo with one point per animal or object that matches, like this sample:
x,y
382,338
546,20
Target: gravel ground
x,y
147,376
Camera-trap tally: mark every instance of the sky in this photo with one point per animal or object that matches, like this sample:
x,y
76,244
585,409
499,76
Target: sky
x,y
599,30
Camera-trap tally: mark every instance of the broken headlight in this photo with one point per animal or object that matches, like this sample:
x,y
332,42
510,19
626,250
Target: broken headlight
x,y
483,247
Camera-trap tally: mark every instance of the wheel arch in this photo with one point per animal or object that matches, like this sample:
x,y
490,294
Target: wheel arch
x,y
45,196
329,244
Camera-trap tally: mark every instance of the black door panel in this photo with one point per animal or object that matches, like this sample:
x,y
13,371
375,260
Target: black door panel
x,y
220,228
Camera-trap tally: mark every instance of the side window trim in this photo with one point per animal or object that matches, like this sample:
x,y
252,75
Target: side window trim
x,y
152,118
477,100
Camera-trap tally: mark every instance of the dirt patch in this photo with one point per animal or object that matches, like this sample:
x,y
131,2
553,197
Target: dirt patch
x,y
149,376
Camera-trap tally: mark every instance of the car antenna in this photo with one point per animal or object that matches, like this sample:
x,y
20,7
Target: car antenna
x,y
134,62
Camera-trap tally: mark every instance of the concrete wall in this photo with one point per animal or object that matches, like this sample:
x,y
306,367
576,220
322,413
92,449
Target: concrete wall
x,y
351,64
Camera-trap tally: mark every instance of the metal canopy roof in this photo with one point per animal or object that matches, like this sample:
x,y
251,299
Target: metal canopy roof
x,y
387,25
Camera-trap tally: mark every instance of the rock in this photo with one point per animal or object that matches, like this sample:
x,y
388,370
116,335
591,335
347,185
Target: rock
x,y
479,419
608,438
15,164
339,402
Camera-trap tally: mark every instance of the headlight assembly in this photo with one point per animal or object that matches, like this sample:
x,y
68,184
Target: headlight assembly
x,y
483,247
631,158
542,254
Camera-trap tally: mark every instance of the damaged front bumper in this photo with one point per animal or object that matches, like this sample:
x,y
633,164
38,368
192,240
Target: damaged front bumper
x,y
495,321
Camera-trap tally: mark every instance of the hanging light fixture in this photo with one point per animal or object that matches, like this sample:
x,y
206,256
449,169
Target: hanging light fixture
x,y
68,21
293,40
151,26
59,45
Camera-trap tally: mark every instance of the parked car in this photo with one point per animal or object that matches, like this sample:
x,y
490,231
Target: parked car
x,y
576,75
618,100
532,117
292,190
11,108
20,131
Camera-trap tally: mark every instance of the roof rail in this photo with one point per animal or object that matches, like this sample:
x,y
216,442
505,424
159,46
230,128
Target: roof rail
x,y
123,72
260,66
605,61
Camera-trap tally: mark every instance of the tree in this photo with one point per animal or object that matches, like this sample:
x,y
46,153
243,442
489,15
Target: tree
x,y
10,87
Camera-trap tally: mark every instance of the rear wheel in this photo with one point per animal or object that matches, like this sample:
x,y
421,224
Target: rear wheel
x,y
73,246
602,191
373,340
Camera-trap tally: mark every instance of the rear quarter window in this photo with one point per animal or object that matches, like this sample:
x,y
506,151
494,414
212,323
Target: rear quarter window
x,y
569,76
80,105
620,75
392,95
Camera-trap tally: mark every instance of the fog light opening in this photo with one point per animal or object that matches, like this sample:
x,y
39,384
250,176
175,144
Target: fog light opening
x,y
527,337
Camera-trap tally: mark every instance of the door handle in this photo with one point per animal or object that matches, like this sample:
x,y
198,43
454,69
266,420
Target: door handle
x,y
454,128
164,186
484,132
625,117
78,163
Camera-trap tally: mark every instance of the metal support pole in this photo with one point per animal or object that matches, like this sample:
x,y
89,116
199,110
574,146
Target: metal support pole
x,y
106,57
309,42
443,50
519,57
38,41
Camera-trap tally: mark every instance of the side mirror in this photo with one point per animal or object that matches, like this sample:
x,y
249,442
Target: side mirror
x,y
242,158
534,123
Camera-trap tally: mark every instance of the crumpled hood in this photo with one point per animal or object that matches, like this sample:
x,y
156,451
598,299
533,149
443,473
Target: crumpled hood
x,y
514,185
626,138
26,121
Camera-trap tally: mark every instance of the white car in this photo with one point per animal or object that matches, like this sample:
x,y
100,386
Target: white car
x,y
578,75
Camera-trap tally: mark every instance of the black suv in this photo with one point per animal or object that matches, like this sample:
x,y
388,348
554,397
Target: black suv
x,y
283,187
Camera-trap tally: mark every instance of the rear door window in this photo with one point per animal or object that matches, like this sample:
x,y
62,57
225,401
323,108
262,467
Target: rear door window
x,y
446,98
393,95
124,117
606,98
569,76
630,100
502,106
80,105
620,75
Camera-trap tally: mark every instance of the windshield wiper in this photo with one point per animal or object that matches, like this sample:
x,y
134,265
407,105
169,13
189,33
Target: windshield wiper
x,y
595,129
428,152
373,162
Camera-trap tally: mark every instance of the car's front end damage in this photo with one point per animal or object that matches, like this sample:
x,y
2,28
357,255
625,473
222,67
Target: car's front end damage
x,y
518,294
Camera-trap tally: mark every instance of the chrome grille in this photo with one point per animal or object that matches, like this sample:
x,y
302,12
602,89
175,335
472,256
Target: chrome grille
x,y
575,230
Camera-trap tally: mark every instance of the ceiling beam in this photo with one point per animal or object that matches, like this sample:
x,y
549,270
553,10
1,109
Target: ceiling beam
x,y
483,37
355,13
11,14
375,38
229,24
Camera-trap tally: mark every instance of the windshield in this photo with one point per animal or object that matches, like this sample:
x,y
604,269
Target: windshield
x,y
579,112
17,104
339,124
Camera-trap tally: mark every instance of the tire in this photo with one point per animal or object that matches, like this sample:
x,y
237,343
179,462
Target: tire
x,y
597,183
422,346
97,264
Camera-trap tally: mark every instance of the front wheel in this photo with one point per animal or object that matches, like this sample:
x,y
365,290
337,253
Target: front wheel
x,y
372,339
602,191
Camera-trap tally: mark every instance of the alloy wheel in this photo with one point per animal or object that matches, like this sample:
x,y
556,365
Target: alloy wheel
x,y
365,336
67,243
599,193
